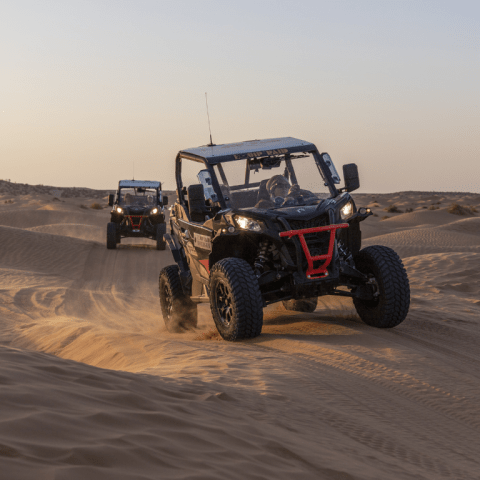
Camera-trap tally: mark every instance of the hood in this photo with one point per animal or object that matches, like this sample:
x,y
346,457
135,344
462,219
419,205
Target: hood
x,y
136,210
305,212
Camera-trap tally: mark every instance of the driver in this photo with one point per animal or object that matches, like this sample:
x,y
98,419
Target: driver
x,y
278,186
128,199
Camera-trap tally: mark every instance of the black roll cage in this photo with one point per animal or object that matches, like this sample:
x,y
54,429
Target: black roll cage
x,y
158,191
209,164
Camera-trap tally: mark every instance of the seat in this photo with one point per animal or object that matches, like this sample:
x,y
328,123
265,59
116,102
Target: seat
x,y
262,191
263,198
196,203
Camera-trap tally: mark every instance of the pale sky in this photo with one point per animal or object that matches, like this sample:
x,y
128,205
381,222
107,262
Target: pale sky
x,y
89,88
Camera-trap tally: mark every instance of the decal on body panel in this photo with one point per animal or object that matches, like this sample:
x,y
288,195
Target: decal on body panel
x,y
203,241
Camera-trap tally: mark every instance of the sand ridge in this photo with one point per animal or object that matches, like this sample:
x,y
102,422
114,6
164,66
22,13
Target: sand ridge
x,y
92,385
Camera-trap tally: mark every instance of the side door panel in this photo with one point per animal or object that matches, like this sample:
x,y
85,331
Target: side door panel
x,y
197,242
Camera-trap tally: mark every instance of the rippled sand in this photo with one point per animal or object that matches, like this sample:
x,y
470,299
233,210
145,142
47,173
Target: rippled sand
x,y
93,387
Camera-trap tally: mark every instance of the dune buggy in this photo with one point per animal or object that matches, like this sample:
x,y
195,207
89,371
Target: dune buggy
x,y
138,211
263,221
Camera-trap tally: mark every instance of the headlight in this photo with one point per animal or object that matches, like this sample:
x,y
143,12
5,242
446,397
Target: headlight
x,y
154,211
247,224
346,210
119,210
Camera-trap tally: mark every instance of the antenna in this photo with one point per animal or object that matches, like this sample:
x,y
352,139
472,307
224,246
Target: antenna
x,y
208,116
133,178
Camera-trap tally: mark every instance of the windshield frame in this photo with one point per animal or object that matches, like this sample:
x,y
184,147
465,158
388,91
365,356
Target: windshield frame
x,y
323,169
120,200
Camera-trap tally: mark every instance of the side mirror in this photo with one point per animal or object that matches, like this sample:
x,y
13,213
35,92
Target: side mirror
x,y
110,199
165,200
350,174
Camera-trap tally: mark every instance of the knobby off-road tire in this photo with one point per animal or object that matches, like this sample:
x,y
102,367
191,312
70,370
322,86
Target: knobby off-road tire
x,y
161,230
391,306
179,312
235,300
111,235
305,305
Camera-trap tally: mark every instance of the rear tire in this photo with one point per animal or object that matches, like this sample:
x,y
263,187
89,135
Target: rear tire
x,y
161,231
178,311
111,235
305,305
235,300
391,306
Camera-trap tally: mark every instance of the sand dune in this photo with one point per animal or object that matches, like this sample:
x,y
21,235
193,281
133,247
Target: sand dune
x,y
92,386
76,230
23,218
41,252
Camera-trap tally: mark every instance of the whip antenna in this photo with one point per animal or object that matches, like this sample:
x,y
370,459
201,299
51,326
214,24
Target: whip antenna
x,y
208,116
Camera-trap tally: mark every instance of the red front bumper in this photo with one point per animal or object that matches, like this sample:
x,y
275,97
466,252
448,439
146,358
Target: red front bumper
x,y
320,271
136,220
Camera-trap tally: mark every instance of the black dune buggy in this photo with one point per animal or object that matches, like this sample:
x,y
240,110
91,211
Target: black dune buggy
x,y
138,211
263,221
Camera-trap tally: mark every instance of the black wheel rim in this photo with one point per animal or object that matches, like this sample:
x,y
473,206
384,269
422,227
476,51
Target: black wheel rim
x,y
224,303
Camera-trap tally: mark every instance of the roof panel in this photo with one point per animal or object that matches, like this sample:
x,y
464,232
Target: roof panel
x,y
139,183
252,148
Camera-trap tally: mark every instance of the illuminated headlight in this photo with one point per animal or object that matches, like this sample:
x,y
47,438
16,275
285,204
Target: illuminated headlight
x,y
247,224
346,210
119,210
154,211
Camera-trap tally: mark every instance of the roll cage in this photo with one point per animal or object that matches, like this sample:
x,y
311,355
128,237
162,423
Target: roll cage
x,y
140,189
255,153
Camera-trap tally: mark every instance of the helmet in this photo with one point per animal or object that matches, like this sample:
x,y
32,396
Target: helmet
x,y
278,186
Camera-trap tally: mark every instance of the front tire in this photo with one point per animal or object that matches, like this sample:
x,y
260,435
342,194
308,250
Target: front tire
x,y
390,307
178,311
305,305
235,300
111,235
161,231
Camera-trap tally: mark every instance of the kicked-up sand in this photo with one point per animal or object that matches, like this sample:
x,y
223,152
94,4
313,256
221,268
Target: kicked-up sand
x,y
93,387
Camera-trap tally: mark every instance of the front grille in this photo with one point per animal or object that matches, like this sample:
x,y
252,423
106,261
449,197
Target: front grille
x,y
317,242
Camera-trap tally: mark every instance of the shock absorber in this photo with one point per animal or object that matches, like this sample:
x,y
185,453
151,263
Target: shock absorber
x,y
261,258
344,252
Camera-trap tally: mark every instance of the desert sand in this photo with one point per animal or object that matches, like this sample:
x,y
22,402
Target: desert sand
x,y
93,387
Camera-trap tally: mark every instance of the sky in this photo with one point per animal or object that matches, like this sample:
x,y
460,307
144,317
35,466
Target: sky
x,y
94,91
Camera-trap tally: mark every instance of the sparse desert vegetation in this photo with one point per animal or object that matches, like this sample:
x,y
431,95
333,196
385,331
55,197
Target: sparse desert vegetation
x,y
457,209
393,209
